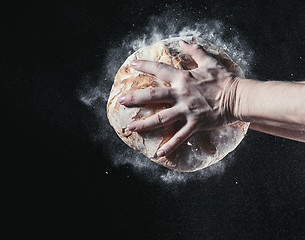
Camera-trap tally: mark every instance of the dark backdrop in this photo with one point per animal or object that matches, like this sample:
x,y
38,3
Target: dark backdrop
x,y
56,175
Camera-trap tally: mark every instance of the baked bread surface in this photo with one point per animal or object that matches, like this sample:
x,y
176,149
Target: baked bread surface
x,y
203,148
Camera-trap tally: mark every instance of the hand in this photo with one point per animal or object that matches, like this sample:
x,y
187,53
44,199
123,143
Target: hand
x,y
202,98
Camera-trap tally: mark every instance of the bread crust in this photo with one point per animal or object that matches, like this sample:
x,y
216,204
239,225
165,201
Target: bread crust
x,y
203,148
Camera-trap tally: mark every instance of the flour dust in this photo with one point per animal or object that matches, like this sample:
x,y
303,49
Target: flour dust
x,y
96,87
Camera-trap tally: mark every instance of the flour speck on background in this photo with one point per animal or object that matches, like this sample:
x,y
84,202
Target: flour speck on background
x,y
96,87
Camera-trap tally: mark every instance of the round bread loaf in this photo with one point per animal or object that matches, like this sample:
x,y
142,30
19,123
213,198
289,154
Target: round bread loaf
x,y
203,148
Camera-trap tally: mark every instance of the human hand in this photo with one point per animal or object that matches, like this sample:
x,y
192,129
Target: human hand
x,y
202,98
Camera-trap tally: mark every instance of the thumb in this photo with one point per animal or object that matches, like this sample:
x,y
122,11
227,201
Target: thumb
x,y
195,51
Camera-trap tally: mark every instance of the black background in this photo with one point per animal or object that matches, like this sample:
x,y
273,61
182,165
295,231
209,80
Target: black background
x,y
57,175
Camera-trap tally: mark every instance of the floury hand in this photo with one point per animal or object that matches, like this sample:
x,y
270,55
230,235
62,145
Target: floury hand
x,y
201,98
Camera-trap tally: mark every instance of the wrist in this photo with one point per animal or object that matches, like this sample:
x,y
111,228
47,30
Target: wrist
x,y
232,100
243,89
238,101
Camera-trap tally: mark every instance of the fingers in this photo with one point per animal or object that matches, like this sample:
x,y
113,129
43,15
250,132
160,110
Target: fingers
x,y
180,137
147,95
163,71
196,52
158,120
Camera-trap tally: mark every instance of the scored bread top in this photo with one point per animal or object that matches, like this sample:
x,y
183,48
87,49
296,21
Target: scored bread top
x,y
199,151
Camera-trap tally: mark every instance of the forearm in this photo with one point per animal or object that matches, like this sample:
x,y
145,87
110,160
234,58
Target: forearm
x,y
297,135
272,103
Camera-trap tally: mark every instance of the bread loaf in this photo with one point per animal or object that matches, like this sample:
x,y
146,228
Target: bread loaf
x,y
200,150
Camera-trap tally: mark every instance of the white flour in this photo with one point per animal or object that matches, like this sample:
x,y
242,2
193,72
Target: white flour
x,y
95,91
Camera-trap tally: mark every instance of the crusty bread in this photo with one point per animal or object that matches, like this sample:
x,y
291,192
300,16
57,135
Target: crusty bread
x,y
199,151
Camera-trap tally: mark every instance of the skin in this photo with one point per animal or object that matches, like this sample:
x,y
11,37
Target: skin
x,y
209,97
